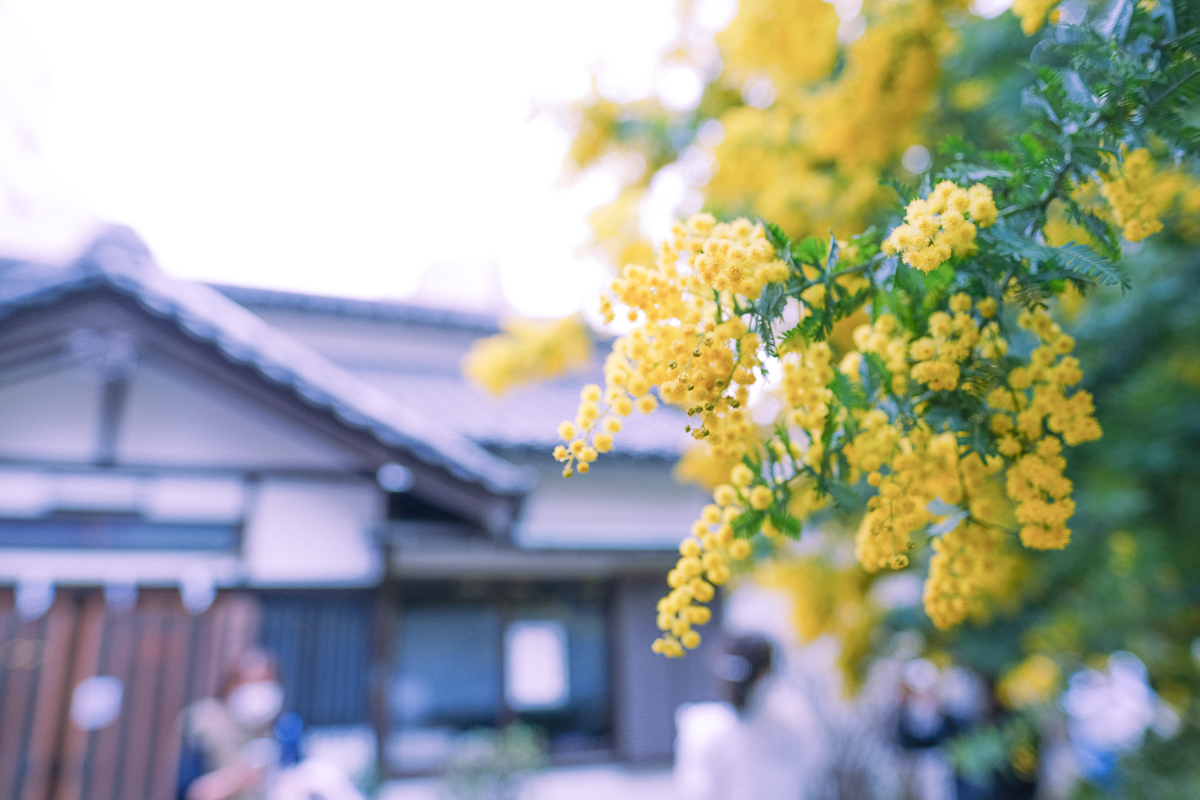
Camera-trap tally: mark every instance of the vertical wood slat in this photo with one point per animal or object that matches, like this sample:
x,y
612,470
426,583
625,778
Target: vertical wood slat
x,y
163,656
240,631
147,735
142,693
87,662
52,698
176,655
644,728
104,751
203,676
22,656
323,646
10,705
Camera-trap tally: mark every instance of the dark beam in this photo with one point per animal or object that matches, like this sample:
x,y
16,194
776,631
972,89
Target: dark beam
x,y
119,362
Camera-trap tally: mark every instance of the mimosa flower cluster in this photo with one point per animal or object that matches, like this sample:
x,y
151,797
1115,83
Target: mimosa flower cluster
x,y
937,228
1138,194
975,561
1032,13
692,347
809,159
693,342
705,562
528,350
946,420
1034,418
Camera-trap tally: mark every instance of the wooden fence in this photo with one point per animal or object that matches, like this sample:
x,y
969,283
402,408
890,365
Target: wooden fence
x,y
163,656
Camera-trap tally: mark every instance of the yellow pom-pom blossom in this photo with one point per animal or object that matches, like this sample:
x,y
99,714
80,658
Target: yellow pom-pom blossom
x,y
793,43
874,418
528,350
937,357
692,345
887,340
699,355
1137,194
1016,487
1131,193
970,564
913,468
1034,418
1032,13
922,467
806,376
741,475
937,227
705,562
1034,680
761,498
811,159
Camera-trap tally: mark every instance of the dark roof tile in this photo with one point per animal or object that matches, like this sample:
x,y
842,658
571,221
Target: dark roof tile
x,y
526,417
119,259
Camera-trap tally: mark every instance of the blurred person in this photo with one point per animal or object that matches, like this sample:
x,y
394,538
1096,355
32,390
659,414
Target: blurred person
x,y
1006,782
753,747
923,722
231,748
922,728
966,698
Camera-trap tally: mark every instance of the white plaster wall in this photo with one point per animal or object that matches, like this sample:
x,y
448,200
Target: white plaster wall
x,y
51,417
308,532
179,420
93,567
628,504
175,498
30,493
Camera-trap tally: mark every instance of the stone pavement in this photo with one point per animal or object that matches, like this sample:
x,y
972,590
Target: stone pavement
x,y
594,782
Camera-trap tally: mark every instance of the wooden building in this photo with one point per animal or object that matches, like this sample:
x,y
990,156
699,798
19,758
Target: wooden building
x,y
186,471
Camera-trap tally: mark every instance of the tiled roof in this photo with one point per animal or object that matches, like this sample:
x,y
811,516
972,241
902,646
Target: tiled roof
x,y
118,259
484,324
526,417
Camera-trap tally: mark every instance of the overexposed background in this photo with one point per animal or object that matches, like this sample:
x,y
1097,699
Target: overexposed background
x,y
366,149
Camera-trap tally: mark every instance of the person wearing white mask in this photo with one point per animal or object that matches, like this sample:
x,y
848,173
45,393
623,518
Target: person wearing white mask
x,y
229,749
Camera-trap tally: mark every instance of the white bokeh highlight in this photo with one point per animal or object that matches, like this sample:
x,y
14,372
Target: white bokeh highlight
x,y
345,149
535,665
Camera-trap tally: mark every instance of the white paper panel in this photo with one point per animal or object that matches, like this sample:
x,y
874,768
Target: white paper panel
x,y
313,532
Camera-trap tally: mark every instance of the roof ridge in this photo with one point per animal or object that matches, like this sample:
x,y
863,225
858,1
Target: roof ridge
x,y
354,307
119,258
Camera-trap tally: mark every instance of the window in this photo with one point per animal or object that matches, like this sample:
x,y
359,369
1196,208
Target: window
x,y
323,642
116,532
449,673
535,665
483,654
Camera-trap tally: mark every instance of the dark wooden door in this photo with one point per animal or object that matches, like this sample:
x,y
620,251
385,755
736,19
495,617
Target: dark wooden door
x,y
649,688
164,658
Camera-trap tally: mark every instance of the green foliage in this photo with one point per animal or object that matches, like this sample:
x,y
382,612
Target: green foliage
x,y
488,764
1129,579
1121,82
1063,110
1074,261
986,751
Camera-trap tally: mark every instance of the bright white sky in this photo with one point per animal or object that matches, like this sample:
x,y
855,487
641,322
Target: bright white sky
x,y
336,147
